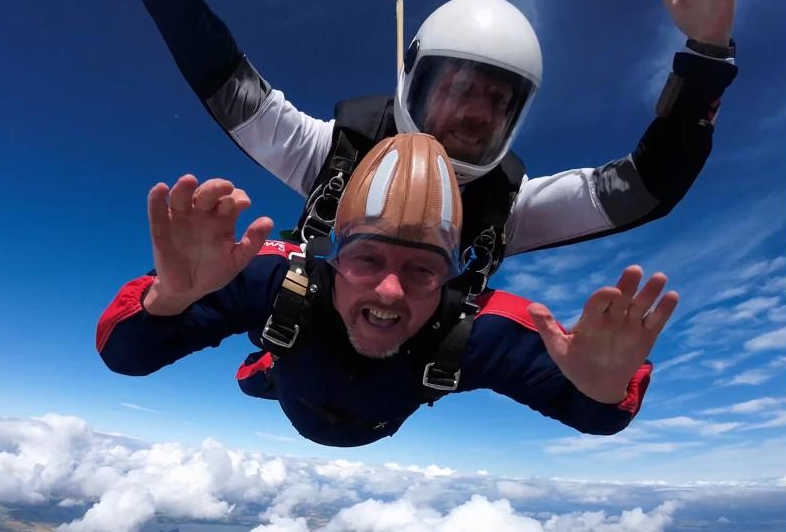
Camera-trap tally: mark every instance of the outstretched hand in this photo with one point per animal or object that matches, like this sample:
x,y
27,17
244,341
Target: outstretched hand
x,y
194,248
613,337
707,21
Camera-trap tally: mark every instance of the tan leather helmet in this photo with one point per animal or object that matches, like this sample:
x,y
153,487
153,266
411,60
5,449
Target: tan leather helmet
x,y
404,190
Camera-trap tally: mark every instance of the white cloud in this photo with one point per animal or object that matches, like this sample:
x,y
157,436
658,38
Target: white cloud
x,y
123,509
523,283
679,422
777,315
122,484
584,442
558,293
478,513
518,491
687,357
637,450
274,437
340,469
685,423
729,293
753,307
747,407
752,377
777,420
132,406
719,428
762,268
775,285
431,471
770,340
283,524
756,376
636,519
719,365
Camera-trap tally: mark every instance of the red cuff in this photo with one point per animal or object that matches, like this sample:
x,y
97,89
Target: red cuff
x,y
637,387
264,363
127,302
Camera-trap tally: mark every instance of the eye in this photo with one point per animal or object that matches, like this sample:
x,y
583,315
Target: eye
x,y
498,100
460,87
422,271
367,259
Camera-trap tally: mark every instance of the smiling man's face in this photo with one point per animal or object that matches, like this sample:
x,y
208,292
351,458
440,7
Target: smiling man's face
x,y
468,112
385,293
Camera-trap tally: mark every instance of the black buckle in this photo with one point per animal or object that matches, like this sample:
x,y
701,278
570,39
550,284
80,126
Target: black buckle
x,y
314,227
478,276
280,335
438,379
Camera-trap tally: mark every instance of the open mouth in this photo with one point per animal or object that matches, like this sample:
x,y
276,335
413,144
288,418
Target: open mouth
x,y
469,139
380,318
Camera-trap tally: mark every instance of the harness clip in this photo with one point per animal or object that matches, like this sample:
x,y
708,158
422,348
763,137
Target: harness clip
x,y
438,379
314,226
280,335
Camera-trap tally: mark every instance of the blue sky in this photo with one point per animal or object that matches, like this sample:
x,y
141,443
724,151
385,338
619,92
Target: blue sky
x,y
95,112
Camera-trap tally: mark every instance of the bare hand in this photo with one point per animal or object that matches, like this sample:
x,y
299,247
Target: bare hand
x,y
194,246
613,337
707,21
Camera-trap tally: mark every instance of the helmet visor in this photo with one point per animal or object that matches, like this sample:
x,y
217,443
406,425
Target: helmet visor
x,y
472,108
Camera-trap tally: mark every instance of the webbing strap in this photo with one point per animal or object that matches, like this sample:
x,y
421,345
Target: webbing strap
x,y
283,325
322,205
441,375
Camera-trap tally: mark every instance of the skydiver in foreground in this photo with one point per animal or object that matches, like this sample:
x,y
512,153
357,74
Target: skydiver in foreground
x,y
374,299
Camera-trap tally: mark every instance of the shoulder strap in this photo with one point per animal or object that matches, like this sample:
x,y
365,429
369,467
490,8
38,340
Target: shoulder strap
x,y
367,116
441,375
283,326
487,203
360,124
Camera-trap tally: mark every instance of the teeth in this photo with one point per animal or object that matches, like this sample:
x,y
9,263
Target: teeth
x,y
382,314
468,139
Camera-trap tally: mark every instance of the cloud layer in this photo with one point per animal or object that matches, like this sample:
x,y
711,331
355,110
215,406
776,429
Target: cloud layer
x,y
122,483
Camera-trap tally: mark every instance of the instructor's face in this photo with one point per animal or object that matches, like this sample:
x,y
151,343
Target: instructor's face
x,y
467,111
385,293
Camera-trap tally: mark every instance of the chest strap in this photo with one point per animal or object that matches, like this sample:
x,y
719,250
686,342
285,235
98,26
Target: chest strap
x,y
441,376
283,326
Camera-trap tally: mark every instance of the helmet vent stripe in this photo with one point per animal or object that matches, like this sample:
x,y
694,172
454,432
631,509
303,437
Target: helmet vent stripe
x,y
447,193
380,184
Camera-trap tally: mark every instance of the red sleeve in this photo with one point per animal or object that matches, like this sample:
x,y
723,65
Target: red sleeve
x,y
516,308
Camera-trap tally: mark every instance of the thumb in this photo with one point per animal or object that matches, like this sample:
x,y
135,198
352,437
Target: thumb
x,y
550,331
252,240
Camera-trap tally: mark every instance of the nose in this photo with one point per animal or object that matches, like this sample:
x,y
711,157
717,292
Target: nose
x,y
389,288
475,108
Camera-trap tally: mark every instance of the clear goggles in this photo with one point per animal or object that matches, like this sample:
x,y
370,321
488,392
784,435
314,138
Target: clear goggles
x,y
367,258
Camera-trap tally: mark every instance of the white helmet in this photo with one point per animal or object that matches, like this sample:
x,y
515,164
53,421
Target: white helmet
x,y
469,77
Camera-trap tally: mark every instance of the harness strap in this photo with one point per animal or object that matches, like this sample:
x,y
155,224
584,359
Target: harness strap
x,y
322,204
441,376
284,324
483,235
